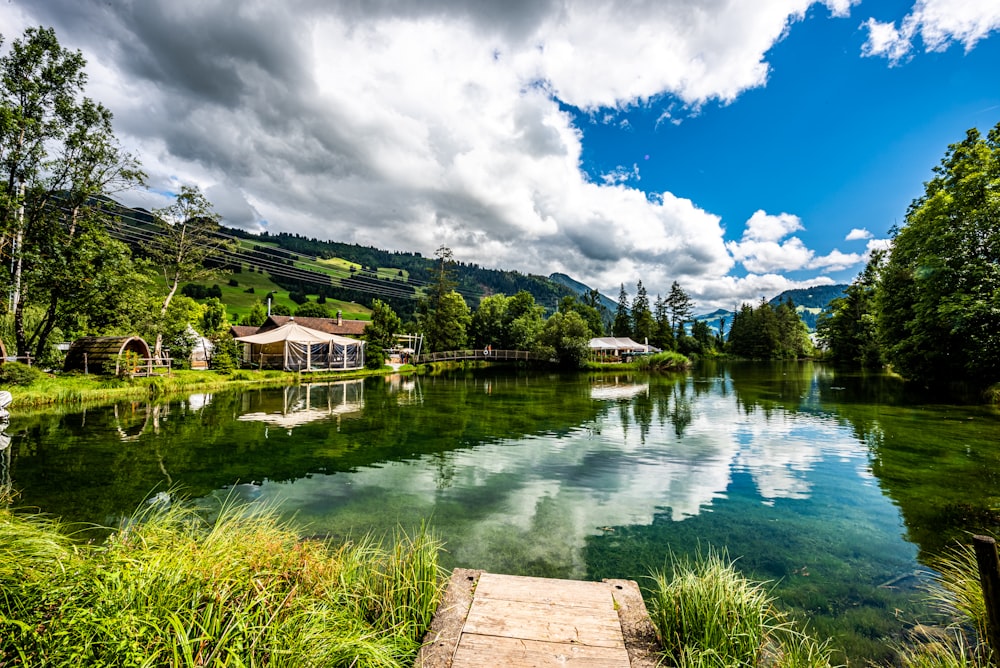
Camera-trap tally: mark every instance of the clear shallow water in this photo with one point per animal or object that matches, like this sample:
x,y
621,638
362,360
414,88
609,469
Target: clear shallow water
x,y
838,489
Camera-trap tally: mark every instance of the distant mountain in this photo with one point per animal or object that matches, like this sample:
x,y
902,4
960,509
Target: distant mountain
x,y
809,302
815,297
580,288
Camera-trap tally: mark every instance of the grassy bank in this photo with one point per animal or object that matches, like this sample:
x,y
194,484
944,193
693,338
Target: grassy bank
x,y
231,587
708,615
43,389
664,361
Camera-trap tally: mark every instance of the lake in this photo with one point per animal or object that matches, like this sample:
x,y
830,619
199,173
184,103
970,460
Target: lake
x,y
837,489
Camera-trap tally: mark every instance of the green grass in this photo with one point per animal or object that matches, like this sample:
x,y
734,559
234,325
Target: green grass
x,y
238,301
706,614
77,389
958,594
664,361
230,586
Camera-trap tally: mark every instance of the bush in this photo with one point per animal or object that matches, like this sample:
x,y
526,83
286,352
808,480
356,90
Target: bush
x,y
708,614
665,361
16,373
374,358
225,354
177,586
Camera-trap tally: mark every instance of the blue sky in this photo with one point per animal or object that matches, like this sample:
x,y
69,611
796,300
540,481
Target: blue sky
x,y
842,141
739,148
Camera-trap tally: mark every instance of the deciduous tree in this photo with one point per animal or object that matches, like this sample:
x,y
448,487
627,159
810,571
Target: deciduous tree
x,y
938,294
187,236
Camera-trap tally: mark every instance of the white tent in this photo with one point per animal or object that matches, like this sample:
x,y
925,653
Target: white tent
x,y
293,347
615,347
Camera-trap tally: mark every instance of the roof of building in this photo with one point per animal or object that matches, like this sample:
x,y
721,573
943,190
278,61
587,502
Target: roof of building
x,y
619,343
336,326
242,330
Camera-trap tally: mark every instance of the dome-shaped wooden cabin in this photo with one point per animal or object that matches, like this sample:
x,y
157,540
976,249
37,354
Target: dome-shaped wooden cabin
x,y
96,354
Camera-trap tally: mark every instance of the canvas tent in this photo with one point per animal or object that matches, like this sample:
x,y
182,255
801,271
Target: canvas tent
x,y
293,347
615,348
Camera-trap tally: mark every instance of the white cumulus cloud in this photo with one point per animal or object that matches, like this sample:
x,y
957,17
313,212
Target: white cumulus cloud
x,y
939,24
411,125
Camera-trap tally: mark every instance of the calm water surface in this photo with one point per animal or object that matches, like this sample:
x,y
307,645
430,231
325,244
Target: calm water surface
x,y
838,489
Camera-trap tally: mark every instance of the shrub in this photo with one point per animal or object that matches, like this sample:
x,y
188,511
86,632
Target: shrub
x,y
16,373
708,614
374,358
181,587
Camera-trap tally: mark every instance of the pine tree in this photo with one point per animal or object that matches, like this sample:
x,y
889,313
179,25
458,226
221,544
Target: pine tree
x,y
623,322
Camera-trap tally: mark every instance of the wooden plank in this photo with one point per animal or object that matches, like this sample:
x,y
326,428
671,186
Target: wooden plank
x,y
546,622
544,590
477,651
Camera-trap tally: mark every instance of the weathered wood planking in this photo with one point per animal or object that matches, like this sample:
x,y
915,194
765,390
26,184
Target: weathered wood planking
x,y
545,621
543,590
483,651
524,622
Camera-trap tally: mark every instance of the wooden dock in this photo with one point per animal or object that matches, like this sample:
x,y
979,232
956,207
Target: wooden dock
x,y
486,619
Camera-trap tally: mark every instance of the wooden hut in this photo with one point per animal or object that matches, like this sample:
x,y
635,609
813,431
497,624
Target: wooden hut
x,y
92,354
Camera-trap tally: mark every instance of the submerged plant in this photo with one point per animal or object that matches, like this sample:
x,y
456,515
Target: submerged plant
x,y
707,614
174,587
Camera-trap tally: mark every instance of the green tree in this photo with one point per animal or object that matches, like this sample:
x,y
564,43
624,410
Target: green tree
x,y
214,319
848,328
256,316
312,310
487,326
679,307
187,237
590,314
643,324
792,335
385,324
622,325
446,327
566,336
938,294
58,156
663,332
523,322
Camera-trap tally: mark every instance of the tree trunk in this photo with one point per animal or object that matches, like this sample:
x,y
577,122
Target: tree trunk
x,y
158,348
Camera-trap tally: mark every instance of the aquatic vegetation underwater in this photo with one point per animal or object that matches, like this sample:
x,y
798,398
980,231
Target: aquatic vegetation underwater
x,y
175,586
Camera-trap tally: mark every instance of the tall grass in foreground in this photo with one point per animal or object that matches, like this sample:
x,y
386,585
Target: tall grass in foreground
x,y
707,614
173,588
958,593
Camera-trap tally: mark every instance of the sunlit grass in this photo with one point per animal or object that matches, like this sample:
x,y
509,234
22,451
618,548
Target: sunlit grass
x,y
707,614
174,587
72,388
958,594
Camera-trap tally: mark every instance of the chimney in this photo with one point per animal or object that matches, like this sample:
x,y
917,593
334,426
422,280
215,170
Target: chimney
x,y
340,318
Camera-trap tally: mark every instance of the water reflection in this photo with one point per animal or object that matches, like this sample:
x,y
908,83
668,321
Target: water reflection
x,y
822,482
301,404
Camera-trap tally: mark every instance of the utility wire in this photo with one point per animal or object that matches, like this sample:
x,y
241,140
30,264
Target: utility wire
x,y
313,272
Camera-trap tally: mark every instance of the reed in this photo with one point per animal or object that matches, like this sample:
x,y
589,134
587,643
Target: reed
x,y
175,586
707,614
958,594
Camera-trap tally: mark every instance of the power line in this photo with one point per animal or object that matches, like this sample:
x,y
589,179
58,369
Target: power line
x,y
313,272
